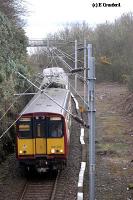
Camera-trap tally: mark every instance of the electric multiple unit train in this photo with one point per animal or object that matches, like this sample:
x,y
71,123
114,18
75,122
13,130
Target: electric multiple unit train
x,y
43,130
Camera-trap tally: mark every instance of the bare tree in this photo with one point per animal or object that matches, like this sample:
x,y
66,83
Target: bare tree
x,y
13,9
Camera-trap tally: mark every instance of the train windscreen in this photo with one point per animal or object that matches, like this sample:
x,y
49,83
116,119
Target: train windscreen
x,y
55,127
24,128
51,127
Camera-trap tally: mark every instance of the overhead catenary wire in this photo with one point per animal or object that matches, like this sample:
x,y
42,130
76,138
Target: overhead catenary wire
x,y
15,101
65,54
50,54
50,57
75,117
75,91
81,121
54,58
66,45
69,56
47,65
61,59
55,43
78,94
25,94
12,125
70,68
1,136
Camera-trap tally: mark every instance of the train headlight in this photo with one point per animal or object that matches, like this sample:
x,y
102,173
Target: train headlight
x,y
20,152
52,150
61,150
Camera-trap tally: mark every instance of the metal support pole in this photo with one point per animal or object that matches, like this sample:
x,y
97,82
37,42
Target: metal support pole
x,y
91,116
48,50
85,72
48,44
76,64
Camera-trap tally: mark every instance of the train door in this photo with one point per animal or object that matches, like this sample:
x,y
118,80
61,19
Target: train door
x,y
40,135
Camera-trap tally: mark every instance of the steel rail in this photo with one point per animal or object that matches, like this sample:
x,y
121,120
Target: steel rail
x,y
44,189
55,186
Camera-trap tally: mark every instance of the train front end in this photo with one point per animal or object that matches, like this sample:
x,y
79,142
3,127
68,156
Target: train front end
x,y
42,141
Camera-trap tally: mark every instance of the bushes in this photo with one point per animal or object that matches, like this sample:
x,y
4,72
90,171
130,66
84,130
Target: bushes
x,y
13,54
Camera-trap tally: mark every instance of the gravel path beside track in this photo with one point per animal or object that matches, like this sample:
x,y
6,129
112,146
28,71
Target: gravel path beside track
x,y
114,152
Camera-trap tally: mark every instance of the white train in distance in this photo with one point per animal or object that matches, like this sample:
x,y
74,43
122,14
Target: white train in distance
x,y
56,77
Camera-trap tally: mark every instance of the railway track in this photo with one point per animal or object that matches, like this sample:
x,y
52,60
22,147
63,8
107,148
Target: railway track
x,y
40,188
44,188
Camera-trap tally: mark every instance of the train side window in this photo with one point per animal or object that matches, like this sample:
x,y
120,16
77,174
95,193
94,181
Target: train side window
x,y
55,128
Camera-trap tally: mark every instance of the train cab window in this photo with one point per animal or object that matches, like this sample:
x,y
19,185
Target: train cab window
x,y
55,127
24,128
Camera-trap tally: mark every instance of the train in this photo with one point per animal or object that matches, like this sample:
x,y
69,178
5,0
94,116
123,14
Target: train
x,y
56,76
43,128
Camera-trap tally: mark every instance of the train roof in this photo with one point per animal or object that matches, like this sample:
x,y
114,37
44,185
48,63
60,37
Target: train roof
x,y
41,103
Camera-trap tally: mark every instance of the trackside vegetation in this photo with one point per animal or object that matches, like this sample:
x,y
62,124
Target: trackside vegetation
x,y
13,43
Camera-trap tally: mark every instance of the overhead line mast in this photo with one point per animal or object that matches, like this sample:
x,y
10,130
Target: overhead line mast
x,y
91,120
76,52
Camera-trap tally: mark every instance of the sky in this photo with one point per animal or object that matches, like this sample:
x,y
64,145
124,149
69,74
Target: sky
x,y
49,16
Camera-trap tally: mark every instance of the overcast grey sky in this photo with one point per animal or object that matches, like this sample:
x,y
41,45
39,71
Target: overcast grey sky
x,y
48,16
